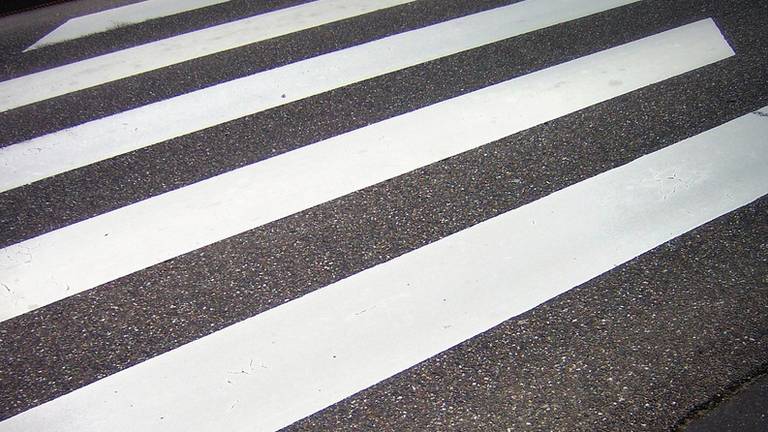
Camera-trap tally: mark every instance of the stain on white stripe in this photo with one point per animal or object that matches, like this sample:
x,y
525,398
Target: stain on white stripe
x,y
84,255
125,15
298,358
72,148
155,55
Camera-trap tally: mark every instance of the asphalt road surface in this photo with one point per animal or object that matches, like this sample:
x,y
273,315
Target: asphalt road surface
x,y
391,215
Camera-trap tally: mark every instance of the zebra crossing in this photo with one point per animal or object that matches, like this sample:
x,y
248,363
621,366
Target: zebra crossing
x,y
279,290
26,162
110,67
198,215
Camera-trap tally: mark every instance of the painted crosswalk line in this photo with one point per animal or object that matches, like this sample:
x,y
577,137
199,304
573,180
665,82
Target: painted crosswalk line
x,y
65,79
61,263
125,15
101,139
271,370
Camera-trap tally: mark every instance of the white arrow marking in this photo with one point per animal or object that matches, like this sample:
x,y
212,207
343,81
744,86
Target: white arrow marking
x,y
125,15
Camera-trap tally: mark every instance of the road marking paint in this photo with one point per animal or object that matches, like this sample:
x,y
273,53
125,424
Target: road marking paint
x,y
125,15
84,255
101,139
271,370
166,52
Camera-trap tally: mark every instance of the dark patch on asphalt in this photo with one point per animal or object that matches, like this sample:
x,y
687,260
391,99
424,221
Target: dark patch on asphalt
x,y
742,406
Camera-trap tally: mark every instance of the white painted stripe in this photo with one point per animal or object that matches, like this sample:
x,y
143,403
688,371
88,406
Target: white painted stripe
x,y
155,55
125,15
81,256
298,358
124,132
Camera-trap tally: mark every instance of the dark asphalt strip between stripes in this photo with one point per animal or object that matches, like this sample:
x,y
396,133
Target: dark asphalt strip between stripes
x,y
9,7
